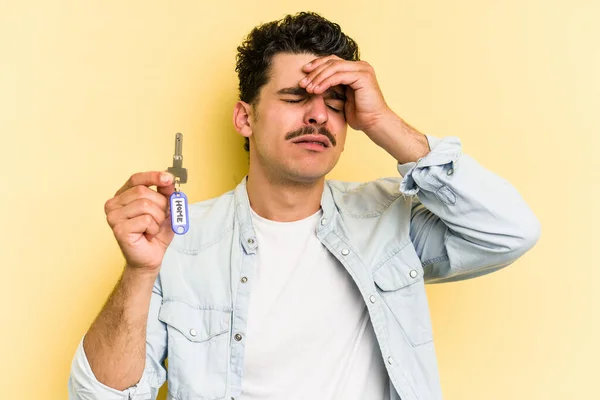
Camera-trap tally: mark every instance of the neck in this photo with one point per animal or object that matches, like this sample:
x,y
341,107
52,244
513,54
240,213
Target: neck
x,y
283,200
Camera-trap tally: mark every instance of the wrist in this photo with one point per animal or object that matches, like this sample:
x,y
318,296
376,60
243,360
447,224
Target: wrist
x,y
140,274
400,140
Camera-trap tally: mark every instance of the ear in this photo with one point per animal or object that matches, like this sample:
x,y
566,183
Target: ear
x,y
242,117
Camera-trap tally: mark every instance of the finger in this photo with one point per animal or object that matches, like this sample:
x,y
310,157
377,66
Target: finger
x,y
165,232
133,194
128,231
326,70
324,66
349,105
341,78
135,209
314,72
152,229
152,178
166,190
318,61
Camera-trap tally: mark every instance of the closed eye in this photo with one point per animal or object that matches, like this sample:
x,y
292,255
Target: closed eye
x,y
298,101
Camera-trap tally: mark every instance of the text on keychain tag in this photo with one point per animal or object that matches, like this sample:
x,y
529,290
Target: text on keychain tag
x,y
179,213
178,201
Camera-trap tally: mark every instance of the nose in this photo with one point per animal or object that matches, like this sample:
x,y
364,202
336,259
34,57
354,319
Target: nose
x,y
316,113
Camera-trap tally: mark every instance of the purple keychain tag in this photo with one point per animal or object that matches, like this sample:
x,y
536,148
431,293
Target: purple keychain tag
x,y
179,212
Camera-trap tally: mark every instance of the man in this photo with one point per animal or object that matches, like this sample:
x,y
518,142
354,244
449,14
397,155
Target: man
x,y
291,286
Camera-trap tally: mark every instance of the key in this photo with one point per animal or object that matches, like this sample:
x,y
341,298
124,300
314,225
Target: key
x,y
177,168
178,201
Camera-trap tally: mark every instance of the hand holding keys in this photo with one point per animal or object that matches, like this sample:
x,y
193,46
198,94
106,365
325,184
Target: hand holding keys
x,y
139,216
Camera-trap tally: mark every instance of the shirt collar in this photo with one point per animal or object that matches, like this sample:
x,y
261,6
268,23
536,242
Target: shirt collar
x,y
243,215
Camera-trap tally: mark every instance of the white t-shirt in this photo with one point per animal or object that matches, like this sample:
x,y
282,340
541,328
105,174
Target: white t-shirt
x,y
309,334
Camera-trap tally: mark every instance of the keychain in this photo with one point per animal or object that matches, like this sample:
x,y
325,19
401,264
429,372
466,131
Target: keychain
x,y
178,200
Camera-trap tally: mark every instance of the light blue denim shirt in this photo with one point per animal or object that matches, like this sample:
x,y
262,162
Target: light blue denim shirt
x,y
447,219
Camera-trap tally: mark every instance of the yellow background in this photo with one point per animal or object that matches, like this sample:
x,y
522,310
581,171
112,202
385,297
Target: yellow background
x,y
93,91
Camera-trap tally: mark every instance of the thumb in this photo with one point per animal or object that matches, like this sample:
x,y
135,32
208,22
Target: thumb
x,y
166,190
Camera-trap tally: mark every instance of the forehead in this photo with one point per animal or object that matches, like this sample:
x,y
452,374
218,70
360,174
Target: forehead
x,y
286,69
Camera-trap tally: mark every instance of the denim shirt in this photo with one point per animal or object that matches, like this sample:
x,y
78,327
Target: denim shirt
x,y
446,219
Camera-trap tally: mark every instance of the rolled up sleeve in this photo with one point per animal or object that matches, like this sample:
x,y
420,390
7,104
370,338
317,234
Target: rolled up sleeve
x,y
466,221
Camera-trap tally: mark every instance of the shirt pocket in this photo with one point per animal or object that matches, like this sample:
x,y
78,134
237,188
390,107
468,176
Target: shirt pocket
x,y
401,285
198,344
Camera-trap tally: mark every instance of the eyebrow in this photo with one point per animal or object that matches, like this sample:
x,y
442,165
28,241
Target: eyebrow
x,y
298,91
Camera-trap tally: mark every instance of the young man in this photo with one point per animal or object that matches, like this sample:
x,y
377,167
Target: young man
x,y
291,286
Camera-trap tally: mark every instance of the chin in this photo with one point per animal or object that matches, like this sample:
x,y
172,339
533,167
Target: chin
x,y
305,171
308,176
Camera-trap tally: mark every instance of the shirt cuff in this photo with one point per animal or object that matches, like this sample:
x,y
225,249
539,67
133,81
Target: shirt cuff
x,y
443,151
84,385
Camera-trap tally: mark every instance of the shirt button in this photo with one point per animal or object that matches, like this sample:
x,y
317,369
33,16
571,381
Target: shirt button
x,y
193,332
390,360
323,221
250,241
244,279
238,337
345,252
450,171
372,299
413,274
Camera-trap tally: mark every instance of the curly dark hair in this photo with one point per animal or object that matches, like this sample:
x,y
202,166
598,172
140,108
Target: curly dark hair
x,y
304,32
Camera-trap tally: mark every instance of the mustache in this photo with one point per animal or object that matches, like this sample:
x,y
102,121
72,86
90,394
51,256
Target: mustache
x,y
310,130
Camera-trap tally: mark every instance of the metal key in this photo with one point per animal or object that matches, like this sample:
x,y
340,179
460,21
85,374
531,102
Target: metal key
x,y
177,168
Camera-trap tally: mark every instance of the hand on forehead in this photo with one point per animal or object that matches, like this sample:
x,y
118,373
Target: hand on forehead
x,y
287,70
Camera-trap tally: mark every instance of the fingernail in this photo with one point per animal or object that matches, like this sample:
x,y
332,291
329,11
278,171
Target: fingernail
x,y
165,177
308,65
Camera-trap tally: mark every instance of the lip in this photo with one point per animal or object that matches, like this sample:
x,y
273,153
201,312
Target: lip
x,y
312,146
305,139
